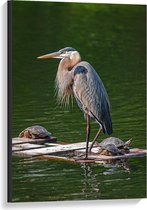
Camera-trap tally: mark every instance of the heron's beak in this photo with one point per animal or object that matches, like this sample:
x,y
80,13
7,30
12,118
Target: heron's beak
x,y
51,55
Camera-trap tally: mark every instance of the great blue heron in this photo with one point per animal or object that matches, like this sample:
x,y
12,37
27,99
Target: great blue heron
x,y
78,78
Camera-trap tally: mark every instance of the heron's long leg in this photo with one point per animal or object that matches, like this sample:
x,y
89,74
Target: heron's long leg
x,y
88,134
95,138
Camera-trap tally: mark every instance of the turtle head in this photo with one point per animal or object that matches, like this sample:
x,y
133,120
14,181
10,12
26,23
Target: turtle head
x,y
128,143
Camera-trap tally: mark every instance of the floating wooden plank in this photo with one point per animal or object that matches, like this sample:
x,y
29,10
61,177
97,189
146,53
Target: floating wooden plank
x,y
45,148
100,159
52,150
135,152
18,140
26,146
55,157
54,144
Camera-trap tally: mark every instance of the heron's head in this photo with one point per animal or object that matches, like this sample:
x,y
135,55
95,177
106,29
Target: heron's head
x,y
67,52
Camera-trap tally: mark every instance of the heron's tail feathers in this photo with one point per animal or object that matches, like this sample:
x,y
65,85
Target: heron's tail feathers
x,y
105,122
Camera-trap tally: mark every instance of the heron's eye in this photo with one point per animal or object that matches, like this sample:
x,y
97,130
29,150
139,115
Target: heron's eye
x,y
64,52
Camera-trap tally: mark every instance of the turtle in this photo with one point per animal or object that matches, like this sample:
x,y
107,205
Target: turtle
x,y
122,146
109,150
35,132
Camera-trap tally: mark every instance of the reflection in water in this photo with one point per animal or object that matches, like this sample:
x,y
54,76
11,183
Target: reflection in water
x,y
93,182
90,182
115,166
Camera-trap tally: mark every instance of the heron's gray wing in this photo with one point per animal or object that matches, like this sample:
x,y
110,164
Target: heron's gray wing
x,y
91,95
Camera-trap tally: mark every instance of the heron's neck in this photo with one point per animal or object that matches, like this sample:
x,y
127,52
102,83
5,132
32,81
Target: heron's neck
x,y
64,77
68,63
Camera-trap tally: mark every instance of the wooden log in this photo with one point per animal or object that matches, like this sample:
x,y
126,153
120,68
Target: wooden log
x,y
55,157
34,147
100,159
52,150
18,140
26,146
135,152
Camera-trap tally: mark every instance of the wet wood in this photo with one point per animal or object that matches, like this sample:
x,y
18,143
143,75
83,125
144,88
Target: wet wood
x,y
55,157
93,158
52,150
26,146
135,152
18,140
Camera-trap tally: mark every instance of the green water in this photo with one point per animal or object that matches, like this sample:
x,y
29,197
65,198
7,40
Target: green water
x,y
112,39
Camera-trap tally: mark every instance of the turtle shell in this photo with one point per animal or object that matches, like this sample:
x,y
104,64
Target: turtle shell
x,y
110,150
112,140
35,132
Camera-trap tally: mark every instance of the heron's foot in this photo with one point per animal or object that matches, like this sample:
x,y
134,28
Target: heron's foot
x,y
83,158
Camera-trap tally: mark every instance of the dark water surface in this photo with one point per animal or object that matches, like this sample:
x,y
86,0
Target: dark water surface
x,y
112,39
